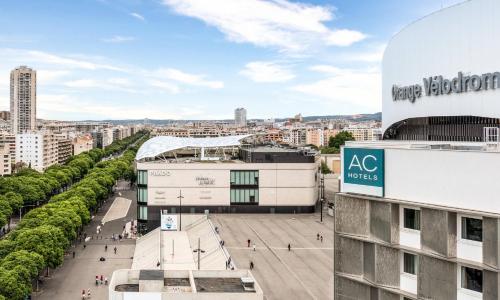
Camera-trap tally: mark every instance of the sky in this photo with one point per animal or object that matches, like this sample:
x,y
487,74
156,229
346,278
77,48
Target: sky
x,y
201,59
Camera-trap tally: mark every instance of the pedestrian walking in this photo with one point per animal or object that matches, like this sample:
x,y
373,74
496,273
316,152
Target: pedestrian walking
x,y
106,280
289,247
317,236
254,247
102,279
106,248
248,243
115,249
251,265
84,246
97,280
83,294
88,293
322,239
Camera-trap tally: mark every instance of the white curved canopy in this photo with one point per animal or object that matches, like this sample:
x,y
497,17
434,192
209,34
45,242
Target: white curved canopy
x,y
161,144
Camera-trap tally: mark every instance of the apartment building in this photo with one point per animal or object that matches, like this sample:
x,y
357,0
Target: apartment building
x,y
23,99
5,160
240,117
363,133
82,144
37,149
64,150
10,140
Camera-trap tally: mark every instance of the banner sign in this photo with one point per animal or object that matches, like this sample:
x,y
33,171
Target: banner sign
x,y
168,222
363,171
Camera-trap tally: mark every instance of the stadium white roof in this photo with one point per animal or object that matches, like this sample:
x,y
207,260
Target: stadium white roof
x,y
161,144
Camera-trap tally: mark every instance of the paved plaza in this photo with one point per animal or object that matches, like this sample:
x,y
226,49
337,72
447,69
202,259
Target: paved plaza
x,y
305,272
79,273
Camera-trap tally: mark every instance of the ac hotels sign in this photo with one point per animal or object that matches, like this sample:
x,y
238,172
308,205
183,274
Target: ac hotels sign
x,y
363,171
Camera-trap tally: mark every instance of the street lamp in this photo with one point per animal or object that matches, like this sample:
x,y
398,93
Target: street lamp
x,y
199,250
180,209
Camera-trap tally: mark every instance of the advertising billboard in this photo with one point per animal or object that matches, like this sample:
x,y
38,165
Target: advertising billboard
x,y
363,171
168,222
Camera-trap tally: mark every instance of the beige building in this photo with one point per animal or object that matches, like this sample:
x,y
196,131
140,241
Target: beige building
x,y
5,160
38,149
82,144
364,134
64,150
10,140
23,99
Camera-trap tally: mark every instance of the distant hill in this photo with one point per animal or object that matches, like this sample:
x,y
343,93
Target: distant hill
x,y
359,117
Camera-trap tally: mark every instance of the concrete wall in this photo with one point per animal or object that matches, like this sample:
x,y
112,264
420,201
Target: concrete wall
x,y
437,279
491,242
380,220
387,266
346,289
352,215
491,284
438,231
348,256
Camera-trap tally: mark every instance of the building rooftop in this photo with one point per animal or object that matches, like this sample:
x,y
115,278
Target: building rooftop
x,y
428,145
161,144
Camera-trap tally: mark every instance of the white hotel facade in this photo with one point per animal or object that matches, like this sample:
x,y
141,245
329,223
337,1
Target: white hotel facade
x,y
418,216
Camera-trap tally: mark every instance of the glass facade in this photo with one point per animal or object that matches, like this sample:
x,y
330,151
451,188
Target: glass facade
x,y
142,195
142,177
244,187
242,196
244,177
142,213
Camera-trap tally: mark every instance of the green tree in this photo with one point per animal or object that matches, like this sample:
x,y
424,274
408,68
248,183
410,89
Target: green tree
x,y
14,285
324,168
46,240
339,139
33,262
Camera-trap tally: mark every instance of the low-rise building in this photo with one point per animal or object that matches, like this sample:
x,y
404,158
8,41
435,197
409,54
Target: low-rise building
x,y
10,140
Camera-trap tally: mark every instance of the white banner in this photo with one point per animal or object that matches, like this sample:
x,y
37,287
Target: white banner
x,y
168,222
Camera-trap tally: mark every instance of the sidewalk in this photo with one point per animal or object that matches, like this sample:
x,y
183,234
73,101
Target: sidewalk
x,y
79,273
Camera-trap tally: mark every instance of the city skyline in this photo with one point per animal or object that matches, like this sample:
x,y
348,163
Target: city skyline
x,y
176,60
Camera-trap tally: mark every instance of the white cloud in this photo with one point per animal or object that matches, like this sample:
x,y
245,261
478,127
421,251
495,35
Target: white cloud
x,y
51,104
288,26
118,39
22,56
113,84
372,55
187,78
165,86
341,86
138,16
45,77
262,71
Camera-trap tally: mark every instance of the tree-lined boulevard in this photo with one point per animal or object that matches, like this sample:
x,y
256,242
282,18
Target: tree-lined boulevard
x,y
64,197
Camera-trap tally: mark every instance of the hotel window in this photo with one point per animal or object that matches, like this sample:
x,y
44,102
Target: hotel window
x,y
472,279
142,195
411,218
410,262
472,229
142,177
142,212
